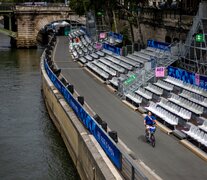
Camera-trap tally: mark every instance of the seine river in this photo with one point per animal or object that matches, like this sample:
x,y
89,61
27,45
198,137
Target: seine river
x,y
30,146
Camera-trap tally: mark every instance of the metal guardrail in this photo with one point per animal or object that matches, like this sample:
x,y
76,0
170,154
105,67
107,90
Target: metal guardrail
x,y
6,8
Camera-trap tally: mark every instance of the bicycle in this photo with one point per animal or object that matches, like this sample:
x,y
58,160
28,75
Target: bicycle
x,y
150,137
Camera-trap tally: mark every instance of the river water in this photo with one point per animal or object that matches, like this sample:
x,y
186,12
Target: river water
x,y
30,146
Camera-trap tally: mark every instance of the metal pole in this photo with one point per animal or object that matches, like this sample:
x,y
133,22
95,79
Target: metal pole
x,y
132,175
115,25
10,22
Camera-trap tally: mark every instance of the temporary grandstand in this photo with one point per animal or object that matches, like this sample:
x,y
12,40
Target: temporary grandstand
x,y
179,105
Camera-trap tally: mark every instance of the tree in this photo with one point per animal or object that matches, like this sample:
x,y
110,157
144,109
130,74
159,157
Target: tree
x,y
79,6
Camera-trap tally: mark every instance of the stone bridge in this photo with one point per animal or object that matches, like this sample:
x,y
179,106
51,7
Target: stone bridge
x,y
23,23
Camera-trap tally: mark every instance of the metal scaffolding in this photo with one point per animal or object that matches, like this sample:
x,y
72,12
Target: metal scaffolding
x,y
194,51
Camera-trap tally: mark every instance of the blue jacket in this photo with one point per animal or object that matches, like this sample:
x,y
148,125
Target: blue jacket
x,y
149,120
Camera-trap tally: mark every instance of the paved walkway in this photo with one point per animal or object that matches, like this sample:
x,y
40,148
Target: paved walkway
x,y
169,159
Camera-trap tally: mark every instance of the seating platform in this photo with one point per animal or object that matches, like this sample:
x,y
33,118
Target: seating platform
x,y
193,107
119,62
116,67
98,70
114,81
164,85
203,126
195,133
196,98
186,86
144,93
163,114
105,68
134,97
183,113
154,89
141,55
127,60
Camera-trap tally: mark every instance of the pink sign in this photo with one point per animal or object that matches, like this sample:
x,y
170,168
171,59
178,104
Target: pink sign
x,y
102,35
98,46
160,71
197,79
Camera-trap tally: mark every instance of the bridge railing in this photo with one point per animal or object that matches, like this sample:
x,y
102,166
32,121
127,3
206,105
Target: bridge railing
x,y
6,7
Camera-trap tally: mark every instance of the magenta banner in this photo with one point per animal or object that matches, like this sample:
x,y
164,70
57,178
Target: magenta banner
x,y
98,46
197,79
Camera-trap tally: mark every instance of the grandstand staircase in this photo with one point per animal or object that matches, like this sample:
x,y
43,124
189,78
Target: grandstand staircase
x,y
164,61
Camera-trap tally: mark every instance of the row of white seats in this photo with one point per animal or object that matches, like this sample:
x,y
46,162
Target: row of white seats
x,y
105,67
149,53
144,93
193,107
101,54
154,89
195,89
164,85
107,51
87,39
114,81
136,58
90,57
127,60
194,97
204,125
198,135
144,57
76,33
159,51
79,49
82,60
186,86
119,62
123,59
174,81
134,97
94,55
163,114
98,70
183,113
112,65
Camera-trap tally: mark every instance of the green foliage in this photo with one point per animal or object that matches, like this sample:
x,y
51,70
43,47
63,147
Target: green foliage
x,y
125,33
79,6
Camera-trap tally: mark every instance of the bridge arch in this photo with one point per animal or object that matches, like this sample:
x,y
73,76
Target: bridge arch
x,y
32,25
42,22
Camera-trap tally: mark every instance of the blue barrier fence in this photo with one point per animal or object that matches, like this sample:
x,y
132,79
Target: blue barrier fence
x,y
116,36
113,49
103,139
158,45
188,77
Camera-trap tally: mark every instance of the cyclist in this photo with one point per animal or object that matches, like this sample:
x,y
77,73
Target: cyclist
x,y
149,121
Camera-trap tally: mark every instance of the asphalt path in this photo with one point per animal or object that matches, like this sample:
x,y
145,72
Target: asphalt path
x,y
169,159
